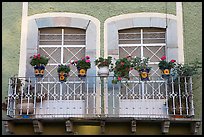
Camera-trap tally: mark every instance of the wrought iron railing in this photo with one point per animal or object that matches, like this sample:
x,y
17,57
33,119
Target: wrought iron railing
x,y
95,96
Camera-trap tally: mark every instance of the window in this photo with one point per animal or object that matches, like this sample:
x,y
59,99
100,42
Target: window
x,y
143,42
61,45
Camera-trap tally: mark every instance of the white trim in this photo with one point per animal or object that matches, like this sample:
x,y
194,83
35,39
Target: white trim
x,y
78,46
141,14
132,45
62,47
179,15
23,52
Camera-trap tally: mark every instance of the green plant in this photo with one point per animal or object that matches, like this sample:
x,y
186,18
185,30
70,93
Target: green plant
x,y
163,64
100,62
37,60
121,69
189,69
63,68
83,63
140,64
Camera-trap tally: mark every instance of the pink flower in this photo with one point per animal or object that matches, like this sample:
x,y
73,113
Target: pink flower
x,y
119,78
87,57
131,68
173,61
82,58
122,63
87,61
35,57
163,58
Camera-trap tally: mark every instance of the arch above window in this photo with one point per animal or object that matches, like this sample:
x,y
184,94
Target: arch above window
x,y
88,23
137,20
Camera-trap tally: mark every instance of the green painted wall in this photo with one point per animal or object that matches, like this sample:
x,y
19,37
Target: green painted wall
x,y
11,30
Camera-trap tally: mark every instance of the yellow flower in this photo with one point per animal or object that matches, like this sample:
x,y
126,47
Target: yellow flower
x,y
36,71
144,74
82,72
62,77
166,71
42,72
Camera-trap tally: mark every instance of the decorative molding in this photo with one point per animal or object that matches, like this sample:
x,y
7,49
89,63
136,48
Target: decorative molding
x,y
38,127
102,127
165,127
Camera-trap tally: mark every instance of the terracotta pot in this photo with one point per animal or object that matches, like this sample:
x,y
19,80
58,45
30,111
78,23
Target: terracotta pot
x,y
103,71
178,116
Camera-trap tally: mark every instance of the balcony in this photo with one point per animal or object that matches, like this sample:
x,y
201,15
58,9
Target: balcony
x,y
95,97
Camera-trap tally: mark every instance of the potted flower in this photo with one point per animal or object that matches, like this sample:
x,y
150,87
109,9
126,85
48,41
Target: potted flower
x,y
166,66
189,69
141,65
121,69
103,65
39,62
63,72
82,65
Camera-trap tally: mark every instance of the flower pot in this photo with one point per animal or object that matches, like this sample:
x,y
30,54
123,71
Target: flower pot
x,y
81,72
25,104
178,116
103,71
165,73
62,76
144,74
39,71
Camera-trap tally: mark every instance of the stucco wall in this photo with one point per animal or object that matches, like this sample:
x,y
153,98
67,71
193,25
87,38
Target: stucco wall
x,y
11,27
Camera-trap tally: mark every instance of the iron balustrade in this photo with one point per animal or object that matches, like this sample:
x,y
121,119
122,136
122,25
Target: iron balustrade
x,y
93,96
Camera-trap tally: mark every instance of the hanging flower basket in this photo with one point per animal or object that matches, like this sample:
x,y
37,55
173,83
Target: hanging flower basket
x,y
144,74
103,65
63,72
39,71
166,67
103,71
82,66
141,65
39,62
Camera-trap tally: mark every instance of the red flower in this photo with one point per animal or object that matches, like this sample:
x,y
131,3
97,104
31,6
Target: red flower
x,y
122,63
35,57
38,55
119,78
163,58
173,61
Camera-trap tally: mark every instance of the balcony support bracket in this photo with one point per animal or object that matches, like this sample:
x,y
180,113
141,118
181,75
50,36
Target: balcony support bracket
x,y
69,126
133,126
8,127
195,127
38,126
102,127
165,127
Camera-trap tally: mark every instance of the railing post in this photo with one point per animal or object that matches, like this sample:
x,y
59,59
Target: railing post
x,y
105,93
